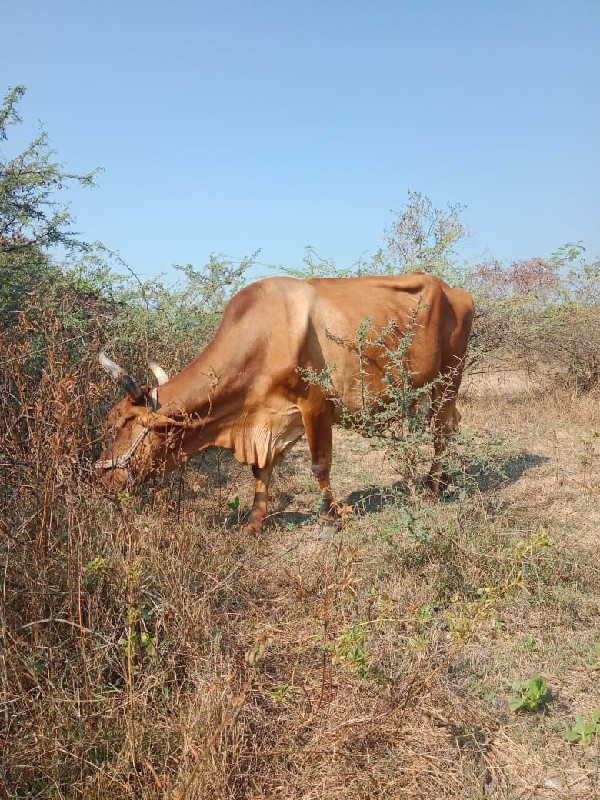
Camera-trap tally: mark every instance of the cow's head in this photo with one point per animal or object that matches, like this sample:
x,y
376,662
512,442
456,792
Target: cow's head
x,y
139,440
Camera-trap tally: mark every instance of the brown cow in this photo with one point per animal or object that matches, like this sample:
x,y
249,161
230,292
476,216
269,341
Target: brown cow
x,y
247,391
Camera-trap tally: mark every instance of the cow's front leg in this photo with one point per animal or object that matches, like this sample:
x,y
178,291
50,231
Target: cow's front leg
x,y
262,479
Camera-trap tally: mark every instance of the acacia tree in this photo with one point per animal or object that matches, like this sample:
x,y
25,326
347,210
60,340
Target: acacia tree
x,y
421,238
425,238
33,221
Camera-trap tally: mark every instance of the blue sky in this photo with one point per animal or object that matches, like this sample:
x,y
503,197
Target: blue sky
x,y
232,126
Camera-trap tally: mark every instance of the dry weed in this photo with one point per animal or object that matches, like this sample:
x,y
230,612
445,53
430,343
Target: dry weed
x,y
153,649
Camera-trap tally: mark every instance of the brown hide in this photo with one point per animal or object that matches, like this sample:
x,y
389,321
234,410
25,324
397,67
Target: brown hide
x,y
246,391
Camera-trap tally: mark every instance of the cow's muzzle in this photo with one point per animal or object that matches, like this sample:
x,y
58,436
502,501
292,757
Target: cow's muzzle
x,y
122,462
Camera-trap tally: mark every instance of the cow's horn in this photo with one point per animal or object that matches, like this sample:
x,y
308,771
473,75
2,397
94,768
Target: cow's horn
x,y
118,374
159,373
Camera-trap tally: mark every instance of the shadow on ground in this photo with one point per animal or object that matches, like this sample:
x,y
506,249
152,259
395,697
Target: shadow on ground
x,y
476,474
474,480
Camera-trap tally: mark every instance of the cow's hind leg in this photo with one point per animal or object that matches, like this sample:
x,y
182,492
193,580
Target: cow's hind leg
x,y
446,418
262,479
318,427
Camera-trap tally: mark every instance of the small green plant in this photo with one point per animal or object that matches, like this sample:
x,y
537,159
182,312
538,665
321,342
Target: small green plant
x,y
593,658
584,732
234,510
94,565
529,695
124,498
416,523
476,461
530,643
39,787
93,571
350,648
139,641
281,693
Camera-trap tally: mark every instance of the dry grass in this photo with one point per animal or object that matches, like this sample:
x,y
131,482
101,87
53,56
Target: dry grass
x,y
158,651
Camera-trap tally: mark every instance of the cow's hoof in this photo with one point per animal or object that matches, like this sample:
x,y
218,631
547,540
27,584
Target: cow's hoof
x,y
252,529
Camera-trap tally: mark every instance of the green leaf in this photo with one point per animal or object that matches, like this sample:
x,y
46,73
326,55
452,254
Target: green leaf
x,y
94,565
530,694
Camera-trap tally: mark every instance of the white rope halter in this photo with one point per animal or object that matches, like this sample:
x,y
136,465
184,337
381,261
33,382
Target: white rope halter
x,y
123,460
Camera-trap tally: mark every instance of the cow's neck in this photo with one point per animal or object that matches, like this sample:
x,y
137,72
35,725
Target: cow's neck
x,y
209,396
226,397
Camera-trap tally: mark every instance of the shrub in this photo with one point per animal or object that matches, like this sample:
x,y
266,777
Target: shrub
x,y
540,315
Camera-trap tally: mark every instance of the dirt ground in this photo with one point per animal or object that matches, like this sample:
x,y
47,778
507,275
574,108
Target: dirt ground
x,y
551,484
169,654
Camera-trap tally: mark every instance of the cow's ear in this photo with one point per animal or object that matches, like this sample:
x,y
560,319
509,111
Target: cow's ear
x,y
143,397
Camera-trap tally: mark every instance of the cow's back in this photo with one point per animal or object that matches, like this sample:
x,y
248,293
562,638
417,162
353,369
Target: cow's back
x,y
431,319
276,327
